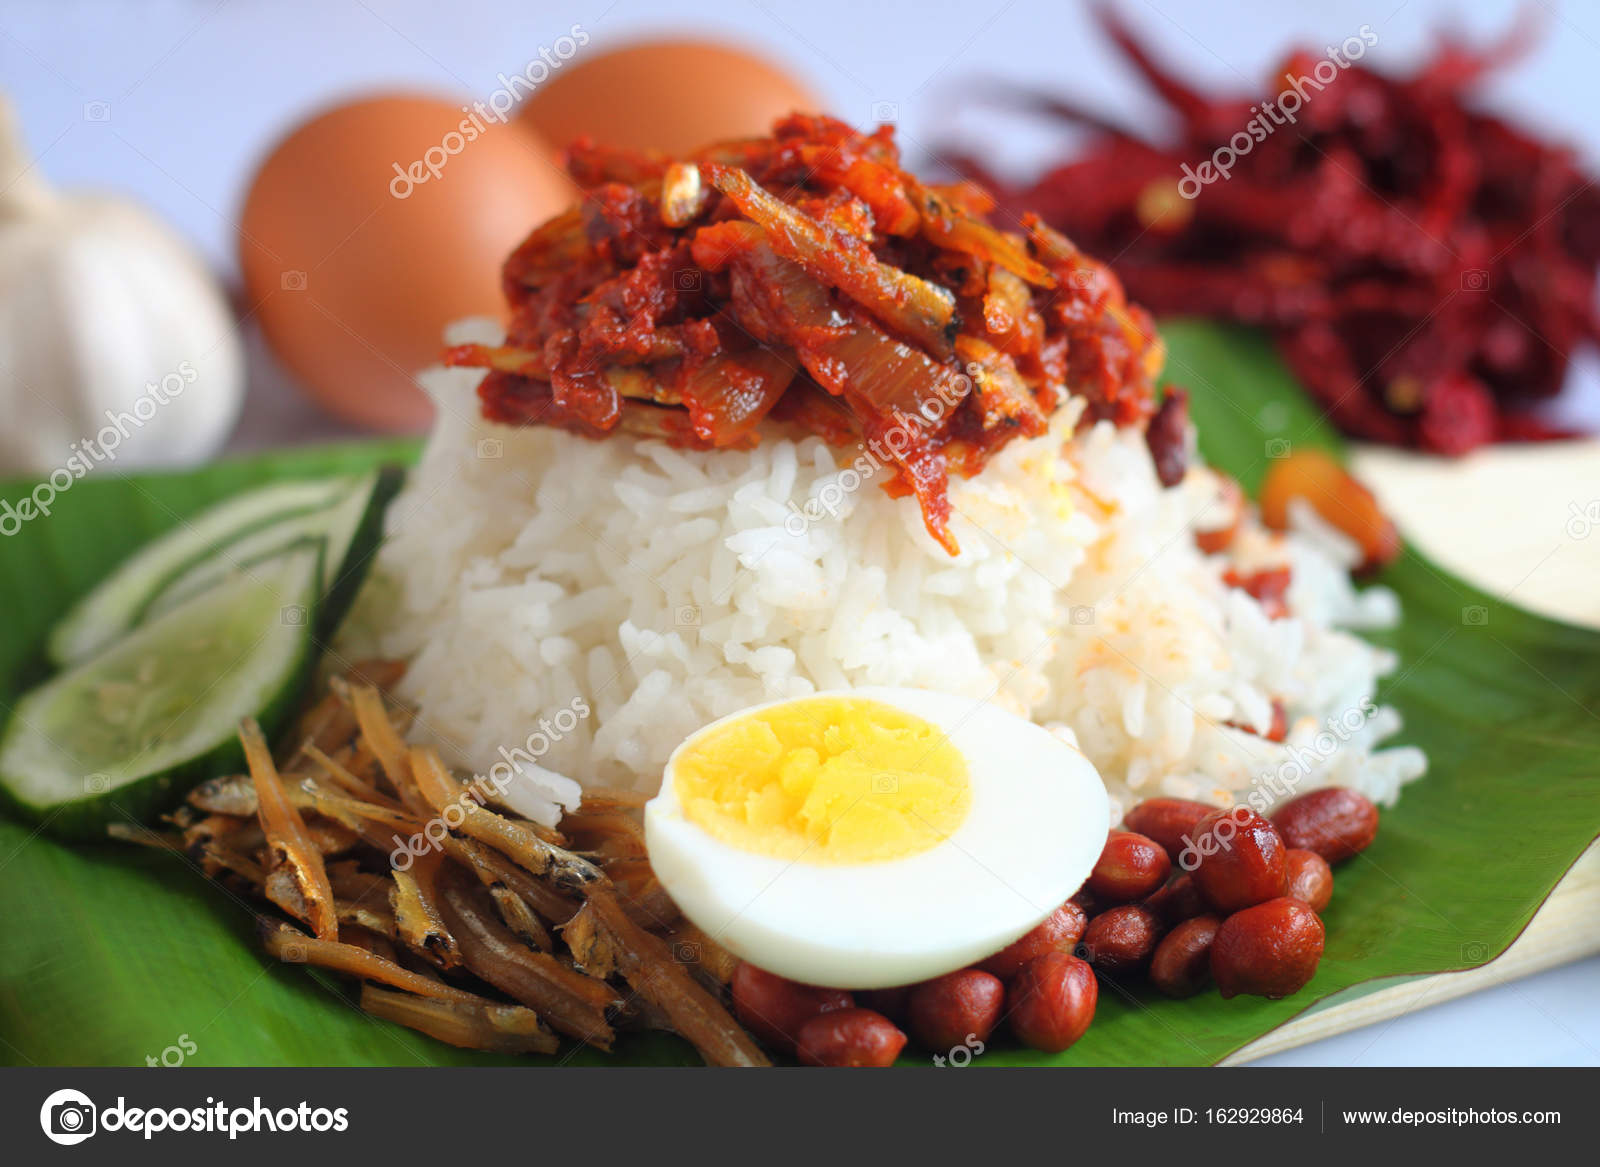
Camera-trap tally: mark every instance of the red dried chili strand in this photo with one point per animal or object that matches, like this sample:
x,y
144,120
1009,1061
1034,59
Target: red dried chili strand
x,y
1426,269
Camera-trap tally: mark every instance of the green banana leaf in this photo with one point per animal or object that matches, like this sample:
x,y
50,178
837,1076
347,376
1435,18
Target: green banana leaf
x,y
116,955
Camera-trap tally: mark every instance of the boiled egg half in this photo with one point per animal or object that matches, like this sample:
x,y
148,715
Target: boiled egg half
x,y
875,837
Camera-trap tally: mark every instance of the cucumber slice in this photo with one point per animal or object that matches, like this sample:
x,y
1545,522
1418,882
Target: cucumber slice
x,y
350,526
117,605
346,512
121,736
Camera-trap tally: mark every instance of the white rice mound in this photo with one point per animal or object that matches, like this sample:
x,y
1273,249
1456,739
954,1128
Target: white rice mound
x,y
651,590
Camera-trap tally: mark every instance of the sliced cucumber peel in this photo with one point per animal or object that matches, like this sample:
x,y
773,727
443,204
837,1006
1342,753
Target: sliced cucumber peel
x,y
227,539
348,525
117,737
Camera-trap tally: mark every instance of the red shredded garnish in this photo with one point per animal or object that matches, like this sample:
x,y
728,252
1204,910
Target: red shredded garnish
x,y
808,280
1278,731
1270,587
1427,269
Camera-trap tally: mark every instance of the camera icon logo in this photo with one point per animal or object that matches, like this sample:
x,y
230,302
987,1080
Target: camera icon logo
x,y
686,952
292,616
1278,448
491,448
68,1117
1474,280
1583,520
1081,615
885,111
292,281
97,111
1474,615
885,784
686,279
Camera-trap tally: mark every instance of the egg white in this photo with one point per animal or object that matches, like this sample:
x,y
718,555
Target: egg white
x,y
1037,824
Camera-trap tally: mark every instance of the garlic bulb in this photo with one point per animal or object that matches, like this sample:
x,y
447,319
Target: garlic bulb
x,y
116,345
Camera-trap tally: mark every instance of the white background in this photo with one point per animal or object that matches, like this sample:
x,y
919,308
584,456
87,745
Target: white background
x,y
196,89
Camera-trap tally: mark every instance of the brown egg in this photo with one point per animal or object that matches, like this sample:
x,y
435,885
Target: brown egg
x,y
664,95
372,226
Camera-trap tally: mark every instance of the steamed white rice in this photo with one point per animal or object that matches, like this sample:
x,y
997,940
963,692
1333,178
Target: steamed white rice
x,y
625,593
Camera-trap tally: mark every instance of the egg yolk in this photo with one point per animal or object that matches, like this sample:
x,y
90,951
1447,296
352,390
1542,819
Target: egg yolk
x,y
828,780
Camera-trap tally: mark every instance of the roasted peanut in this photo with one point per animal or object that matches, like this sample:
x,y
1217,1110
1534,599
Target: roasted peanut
x,y
954,1009
1309,878
1270,950
1130,867
1335,822
1168,436
1180,900
1343,502
1169,821
1121,940
1181,965
774,1008
849,1037
1052,1001
1060,932
1237,858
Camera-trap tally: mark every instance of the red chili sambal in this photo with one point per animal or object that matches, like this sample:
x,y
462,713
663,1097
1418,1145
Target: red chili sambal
x,y
806,281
